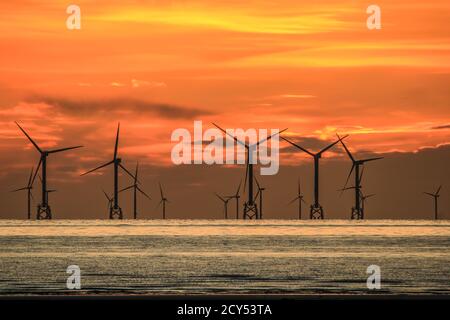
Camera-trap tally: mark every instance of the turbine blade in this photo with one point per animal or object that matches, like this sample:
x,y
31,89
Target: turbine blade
x,y
116,146
439,189
36,172
219,197
331,145
128,172
371,159
99,167
233,137
270,137
106,195
370,195
299,192
146,195
20,189
159,204
239,188
31,195
348,178
362,174
64,149
136,172
246,174
346,149
303,201
126,188
29,138
31,177
296,145
295,199
161,190
257,184
430,194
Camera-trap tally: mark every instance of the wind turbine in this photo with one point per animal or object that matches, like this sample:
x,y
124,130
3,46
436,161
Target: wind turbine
x,y
357,210
363,202
236,196
163,201
110,200
136,188
316,210
300,199
225,203
435,196
29,187
260,195
116,210
250,207
44,210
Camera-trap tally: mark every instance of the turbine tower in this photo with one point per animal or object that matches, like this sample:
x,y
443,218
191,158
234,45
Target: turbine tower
x,y
300,199
260,195
43,209
225,204
316,210
136,188
435,196
163,201
250,206
116,210
29,187
357,210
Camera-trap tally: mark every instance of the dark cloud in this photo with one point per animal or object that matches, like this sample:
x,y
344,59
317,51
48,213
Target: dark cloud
x,y
445,126
107,106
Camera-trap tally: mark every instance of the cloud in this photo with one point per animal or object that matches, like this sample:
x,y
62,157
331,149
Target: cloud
x,y
142,83
119,105
445,126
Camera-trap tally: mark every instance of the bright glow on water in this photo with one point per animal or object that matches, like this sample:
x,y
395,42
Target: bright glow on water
x,y
218,256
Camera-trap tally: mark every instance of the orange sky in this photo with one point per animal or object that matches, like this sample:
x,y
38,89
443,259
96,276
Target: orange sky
x,y
311,66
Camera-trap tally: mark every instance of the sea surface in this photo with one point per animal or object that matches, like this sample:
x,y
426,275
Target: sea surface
x,y
224,256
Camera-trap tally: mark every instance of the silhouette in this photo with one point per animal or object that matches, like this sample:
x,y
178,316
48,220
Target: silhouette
x,y
260,195
357,211
316,210
363,202
250,207
163,201
116,210
225,203
135,190
236,196
300,200
43,209
435,196
29,187
110,201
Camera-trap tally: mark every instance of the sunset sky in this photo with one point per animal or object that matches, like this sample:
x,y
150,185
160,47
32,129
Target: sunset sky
x,y
311,66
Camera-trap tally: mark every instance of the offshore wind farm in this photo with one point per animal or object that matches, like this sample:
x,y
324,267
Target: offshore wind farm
x,y
224,147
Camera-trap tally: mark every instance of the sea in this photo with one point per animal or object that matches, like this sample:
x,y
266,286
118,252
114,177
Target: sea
x,y
238,257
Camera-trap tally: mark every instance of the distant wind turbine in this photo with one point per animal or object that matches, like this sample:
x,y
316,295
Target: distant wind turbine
x,y
300,199
135,188
436,197
29,187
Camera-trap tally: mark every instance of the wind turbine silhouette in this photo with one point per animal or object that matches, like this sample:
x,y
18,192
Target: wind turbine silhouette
x,y
300,199
316,210
357,211
236,196
436,197
260,195
116,210
163,201
225,203
29,187
44,211
110,200
363,202
250,207
136,188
